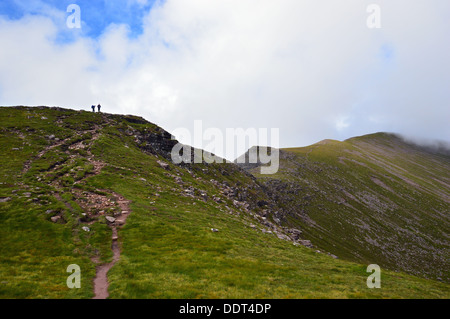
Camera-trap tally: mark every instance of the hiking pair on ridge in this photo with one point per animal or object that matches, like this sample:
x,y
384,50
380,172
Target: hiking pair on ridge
x,y
98,106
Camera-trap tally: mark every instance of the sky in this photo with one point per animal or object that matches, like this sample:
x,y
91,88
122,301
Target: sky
x,y
311,68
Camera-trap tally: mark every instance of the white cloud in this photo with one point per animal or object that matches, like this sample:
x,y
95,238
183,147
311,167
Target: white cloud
x,y
296,65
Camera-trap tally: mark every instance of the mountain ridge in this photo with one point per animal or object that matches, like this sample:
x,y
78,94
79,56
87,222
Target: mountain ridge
x,y
386,174
195,231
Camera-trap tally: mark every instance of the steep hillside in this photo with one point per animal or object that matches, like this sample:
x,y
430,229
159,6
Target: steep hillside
x,y
100,191
371,199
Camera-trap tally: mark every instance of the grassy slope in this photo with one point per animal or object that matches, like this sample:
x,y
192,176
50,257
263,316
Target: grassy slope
x,y
373,199
168,250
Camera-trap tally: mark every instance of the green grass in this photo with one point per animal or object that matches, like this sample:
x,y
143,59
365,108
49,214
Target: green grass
x,y
371,188
168,248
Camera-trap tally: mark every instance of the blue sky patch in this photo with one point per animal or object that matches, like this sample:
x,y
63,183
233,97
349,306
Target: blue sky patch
x,y
96,15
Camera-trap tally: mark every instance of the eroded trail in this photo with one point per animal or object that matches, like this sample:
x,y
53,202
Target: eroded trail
x,y
101,283
95,204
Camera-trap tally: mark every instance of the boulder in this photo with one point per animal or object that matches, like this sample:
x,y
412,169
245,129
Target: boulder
x,y
164,165
4,200
306,243
110,219
56,219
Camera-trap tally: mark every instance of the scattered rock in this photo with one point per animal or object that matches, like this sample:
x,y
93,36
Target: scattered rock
x,y
217,199
110,219
262,203
306,243
86,229
294,233
56,219
214,230
164,165
4,200
283,237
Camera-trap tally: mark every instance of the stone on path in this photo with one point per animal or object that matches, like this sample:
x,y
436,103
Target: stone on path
x,y
110,219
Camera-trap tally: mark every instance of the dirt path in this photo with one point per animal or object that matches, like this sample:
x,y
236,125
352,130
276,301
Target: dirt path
x,y
93,204
101,282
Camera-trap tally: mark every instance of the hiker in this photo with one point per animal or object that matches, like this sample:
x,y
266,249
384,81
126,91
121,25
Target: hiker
x,y
99,107
93,108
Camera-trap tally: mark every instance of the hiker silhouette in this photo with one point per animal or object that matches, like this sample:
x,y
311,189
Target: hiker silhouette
x,y
99,107
93,108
